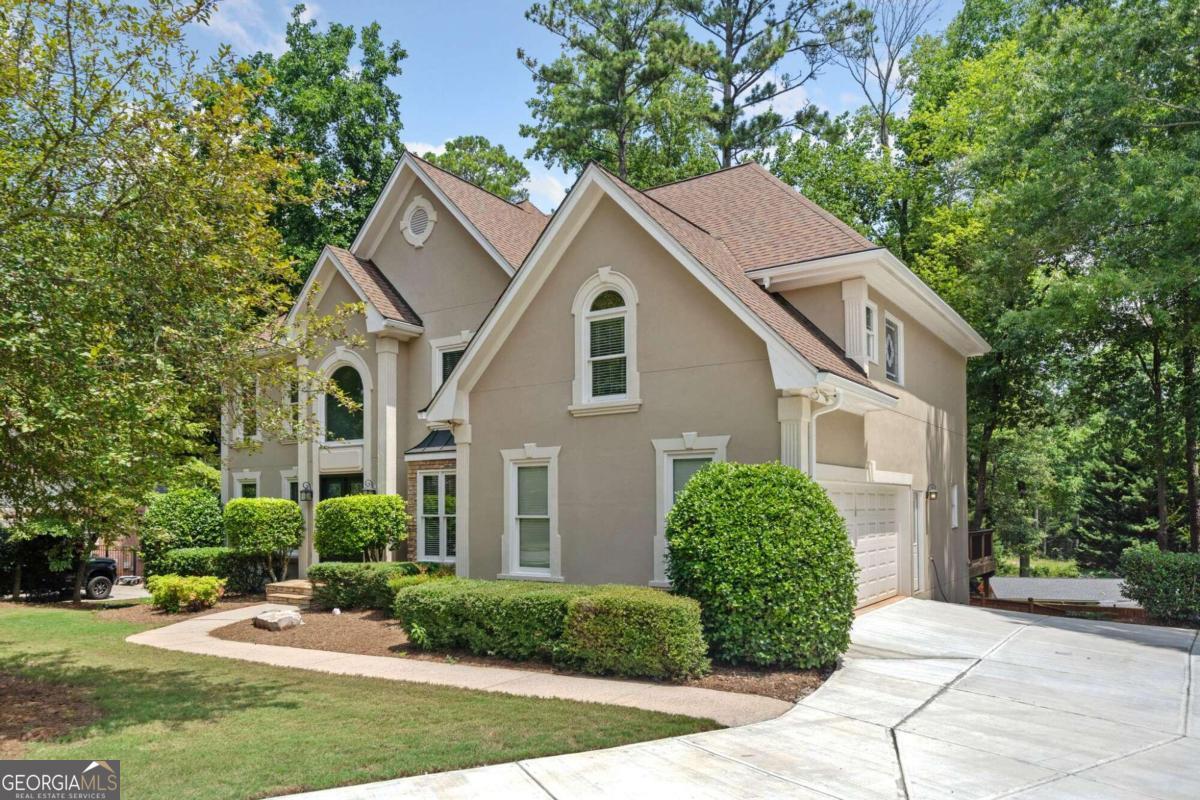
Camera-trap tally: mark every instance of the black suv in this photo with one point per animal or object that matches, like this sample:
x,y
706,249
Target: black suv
x,y
98,583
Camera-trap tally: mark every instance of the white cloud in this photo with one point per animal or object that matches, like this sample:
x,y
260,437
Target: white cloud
x,y
248,27
545,190
421,148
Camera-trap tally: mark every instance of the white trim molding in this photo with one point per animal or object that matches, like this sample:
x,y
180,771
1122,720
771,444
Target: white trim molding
x,y
583,403
854,305
687,445
531,455
839,474
246,476
417,238
376,322
286,477
446,344
436,455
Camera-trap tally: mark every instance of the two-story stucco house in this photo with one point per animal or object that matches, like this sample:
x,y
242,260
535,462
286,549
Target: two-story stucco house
x,y
540,387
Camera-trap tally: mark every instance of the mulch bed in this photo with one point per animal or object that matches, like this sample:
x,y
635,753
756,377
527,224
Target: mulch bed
x,y
33,711
373,633
146,614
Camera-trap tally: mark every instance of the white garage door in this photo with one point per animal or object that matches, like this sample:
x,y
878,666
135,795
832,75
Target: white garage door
x,y
873,523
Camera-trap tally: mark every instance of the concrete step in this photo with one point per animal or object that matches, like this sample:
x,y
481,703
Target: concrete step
x,y
300,588
290,599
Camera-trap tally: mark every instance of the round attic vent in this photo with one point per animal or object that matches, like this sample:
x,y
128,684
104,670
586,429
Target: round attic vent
x,y
418,221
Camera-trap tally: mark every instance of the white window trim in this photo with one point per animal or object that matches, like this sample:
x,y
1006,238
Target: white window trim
x,y
529,456
445,344
246,477
954,523
582,402
420,515
343,357
415,239
688,445
239,434
286,476
871,347
899,379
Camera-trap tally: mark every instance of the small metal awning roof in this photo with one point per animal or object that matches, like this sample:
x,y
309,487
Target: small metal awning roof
x,y
436,442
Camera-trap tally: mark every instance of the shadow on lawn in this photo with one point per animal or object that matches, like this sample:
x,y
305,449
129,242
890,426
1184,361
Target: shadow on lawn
x,y
131,695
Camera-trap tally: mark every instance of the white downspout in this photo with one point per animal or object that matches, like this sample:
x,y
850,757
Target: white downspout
x,y
838,399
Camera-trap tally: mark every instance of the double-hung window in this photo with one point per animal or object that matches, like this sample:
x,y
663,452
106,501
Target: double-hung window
x,y
437,519
678,460
607,363
531,542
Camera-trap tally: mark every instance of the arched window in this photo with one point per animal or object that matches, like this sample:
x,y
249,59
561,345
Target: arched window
x,y
342,424
606,377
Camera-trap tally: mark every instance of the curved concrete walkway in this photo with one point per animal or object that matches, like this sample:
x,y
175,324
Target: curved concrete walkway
x,y
727,708
934,701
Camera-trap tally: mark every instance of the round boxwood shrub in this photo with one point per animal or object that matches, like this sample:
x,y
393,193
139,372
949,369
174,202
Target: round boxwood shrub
x,y
179,518
766,553
359,527
266,527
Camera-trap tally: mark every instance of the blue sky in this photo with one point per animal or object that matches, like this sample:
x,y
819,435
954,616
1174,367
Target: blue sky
x,y
462,75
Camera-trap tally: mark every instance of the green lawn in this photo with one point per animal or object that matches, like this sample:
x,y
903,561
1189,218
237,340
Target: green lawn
x,y
187,726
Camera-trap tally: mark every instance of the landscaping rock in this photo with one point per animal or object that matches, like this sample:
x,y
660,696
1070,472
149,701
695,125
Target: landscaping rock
x,y
278,620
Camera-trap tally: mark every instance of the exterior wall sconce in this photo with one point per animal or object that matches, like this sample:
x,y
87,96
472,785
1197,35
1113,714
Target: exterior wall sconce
x,y
931,492
368,486
306,493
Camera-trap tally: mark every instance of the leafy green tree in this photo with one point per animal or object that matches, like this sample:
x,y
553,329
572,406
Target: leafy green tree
x,y
604,95
344,117
487,165
750,61
140,262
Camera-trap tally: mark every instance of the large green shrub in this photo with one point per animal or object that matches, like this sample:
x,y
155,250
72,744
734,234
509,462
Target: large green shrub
x,y
243,574
510,619
359,527
766,553
634,631
174,593
357,584
179,518
613,630
266,527
1167,585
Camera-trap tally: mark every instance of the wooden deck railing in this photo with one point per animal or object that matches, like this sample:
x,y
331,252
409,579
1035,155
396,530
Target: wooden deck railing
x,y
979,547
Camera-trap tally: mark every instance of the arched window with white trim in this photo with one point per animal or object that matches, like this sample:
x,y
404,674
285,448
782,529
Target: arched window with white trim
x,y
606,376
341,422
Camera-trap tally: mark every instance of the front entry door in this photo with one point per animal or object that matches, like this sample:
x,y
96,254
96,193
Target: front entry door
x,y
341,485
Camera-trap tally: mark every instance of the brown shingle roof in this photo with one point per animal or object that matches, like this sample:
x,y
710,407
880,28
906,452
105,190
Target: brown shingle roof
x,y
716,257
511,228
763,221
378,289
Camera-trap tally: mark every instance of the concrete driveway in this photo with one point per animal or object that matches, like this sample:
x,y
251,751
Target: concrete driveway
x,y
934,701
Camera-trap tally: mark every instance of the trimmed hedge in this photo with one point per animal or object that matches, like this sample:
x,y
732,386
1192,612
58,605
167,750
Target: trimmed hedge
x,y
359,527
1166,584
766,554
242,574
617,630
179,518
174,593
266,527
636,632
357,584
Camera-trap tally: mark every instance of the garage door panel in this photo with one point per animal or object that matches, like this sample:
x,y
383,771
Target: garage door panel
x,y
873,525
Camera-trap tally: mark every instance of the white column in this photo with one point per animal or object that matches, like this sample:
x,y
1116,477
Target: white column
x,y
854,299
386,350
304,471
794,414
462,557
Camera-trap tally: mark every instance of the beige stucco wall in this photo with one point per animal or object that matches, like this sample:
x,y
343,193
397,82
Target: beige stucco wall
x,y
701,371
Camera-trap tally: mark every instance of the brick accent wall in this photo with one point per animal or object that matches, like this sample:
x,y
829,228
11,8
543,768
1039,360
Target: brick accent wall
x,y
412,498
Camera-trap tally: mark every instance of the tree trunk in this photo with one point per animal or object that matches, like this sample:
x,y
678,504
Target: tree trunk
x,y
1160,446
80,574
16,584
1023,568
1191,406
985,454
